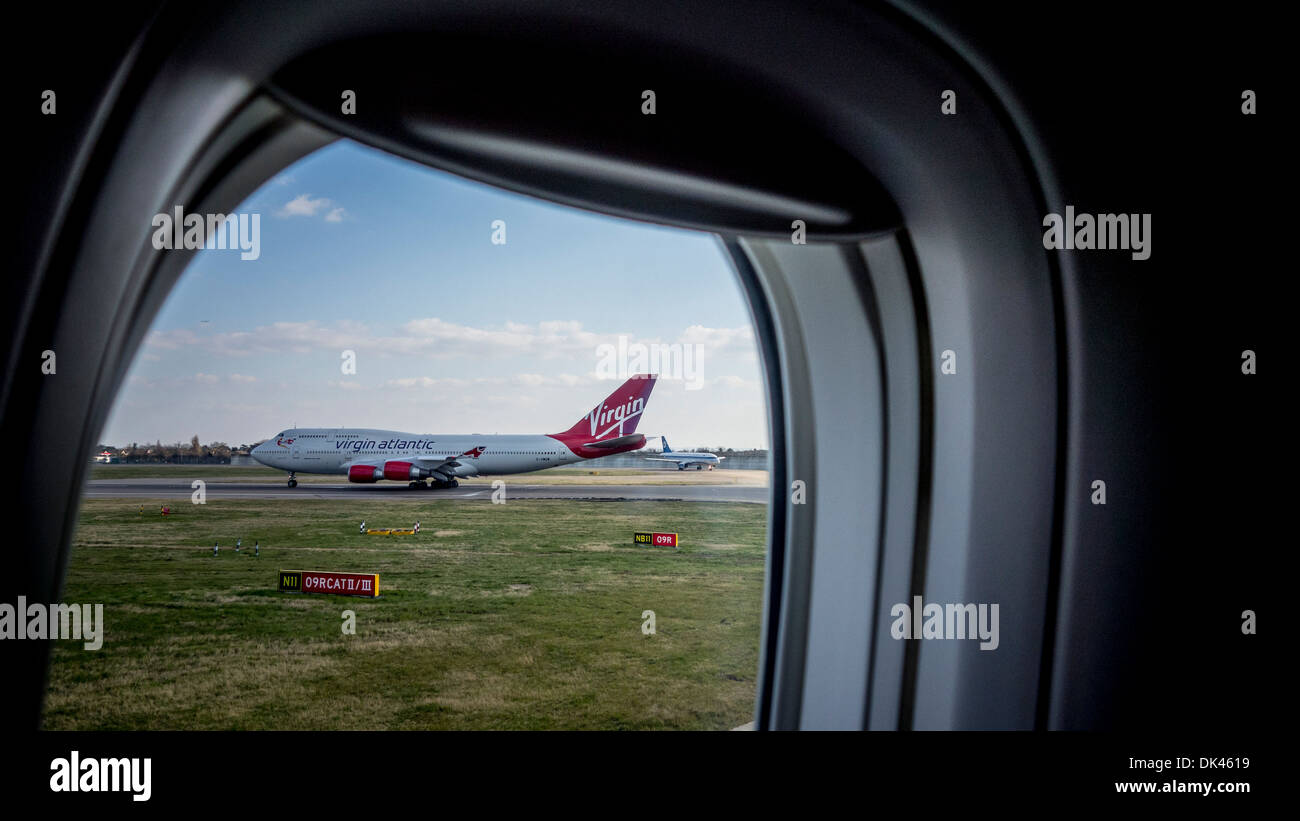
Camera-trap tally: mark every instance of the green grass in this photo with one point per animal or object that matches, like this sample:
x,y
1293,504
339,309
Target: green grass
x,y
518,616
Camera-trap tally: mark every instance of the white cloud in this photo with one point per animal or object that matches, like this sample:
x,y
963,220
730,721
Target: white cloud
x,y
241,377
734,382
336,215
206,378
441,382
436,338
412,382
171,340
562,380
303,206
719,339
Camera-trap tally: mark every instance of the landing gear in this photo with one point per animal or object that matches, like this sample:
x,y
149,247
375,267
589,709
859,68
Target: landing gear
x,y
699,467
444,484
292,481
418,484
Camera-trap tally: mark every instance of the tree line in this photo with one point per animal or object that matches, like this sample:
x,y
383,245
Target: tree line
x,y
213,453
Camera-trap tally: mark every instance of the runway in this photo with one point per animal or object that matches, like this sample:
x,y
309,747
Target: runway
x,y
163,489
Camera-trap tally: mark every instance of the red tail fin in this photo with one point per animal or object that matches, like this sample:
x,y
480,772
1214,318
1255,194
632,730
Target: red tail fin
x,y
619,414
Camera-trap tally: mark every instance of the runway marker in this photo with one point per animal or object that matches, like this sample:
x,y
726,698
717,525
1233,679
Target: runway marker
x,y
655,539
323,581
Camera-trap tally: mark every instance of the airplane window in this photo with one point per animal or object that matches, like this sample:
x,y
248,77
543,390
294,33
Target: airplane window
x,y
513,588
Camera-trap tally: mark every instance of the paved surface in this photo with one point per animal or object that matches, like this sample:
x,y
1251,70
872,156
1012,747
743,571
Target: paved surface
x,y
181,490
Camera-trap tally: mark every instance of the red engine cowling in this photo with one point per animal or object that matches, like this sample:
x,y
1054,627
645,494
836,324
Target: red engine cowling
x,y
403,471
363,473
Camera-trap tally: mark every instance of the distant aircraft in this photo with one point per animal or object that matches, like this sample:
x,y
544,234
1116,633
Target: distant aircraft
x,y
684,459
367,455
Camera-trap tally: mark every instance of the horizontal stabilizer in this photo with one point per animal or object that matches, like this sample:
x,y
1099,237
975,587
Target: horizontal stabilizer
x,y
630,439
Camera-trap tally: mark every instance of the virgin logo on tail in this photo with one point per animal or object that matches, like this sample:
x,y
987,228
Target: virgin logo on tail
x,y
619,413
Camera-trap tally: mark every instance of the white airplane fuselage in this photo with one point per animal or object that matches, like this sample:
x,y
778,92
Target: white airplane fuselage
x,y
334,450
686,459
368,455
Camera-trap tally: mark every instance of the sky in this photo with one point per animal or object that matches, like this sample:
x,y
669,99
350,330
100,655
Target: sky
x,y
449,332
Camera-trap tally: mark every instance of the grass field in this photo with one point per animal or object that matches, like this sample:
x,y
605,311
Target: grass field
x,y
526,615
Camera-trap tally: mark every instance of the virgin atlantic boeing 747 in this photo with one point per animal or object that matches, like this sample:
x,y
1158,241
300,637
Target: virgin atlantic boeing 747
x,y
366,455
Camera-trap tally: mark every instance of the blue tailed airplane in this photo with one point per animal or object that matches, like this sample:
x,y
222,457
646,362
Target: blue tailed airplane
x,y
685,460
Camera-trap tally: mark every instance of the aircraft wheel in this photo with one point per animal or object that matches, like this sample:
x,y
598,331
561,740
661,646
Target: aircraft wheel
x,y
293,483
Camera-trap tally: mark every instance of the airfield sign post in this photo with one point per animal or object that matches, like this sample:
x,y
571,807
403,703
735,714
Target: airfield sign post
x,y
655,539
337,584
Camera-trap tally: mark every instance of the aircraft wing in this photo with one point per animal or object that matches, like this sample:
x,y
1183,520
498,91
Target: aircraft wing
x,y
437,464
448,464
